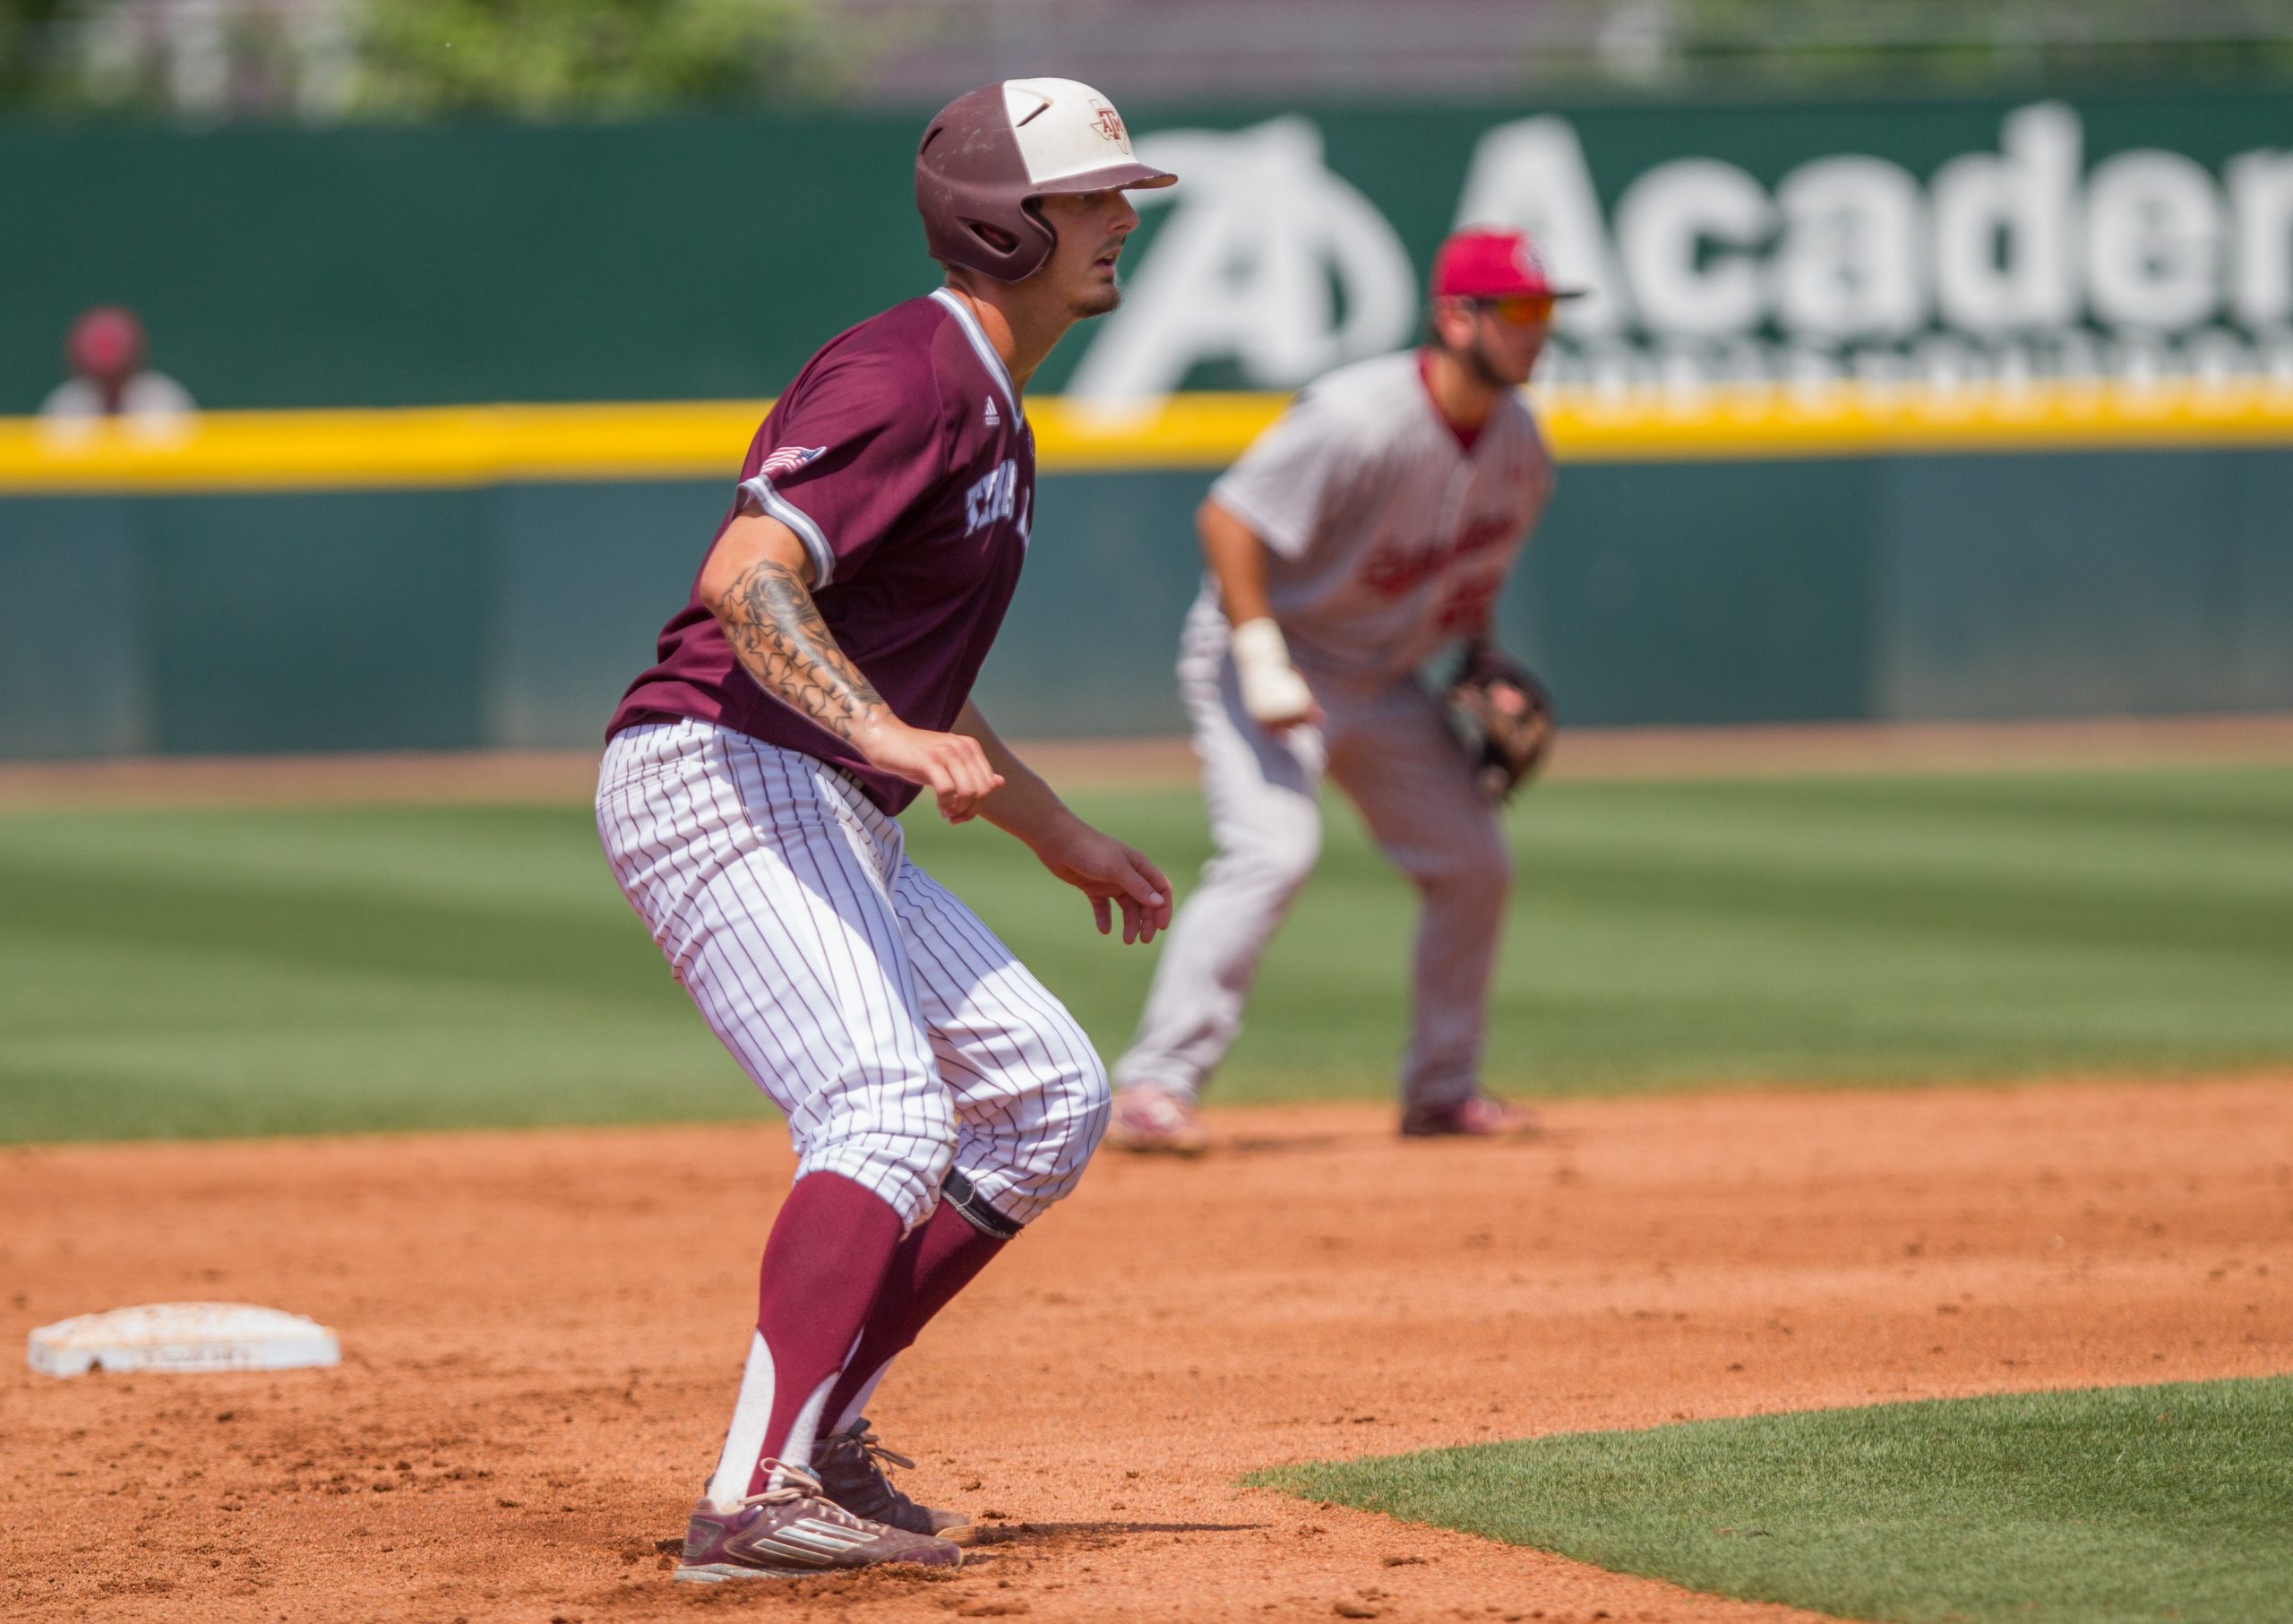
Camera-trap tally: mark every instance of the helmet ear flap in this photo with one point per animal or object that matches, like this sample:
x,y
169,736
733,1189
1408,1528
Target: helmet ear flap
x,y
981,232
998,240
1038,239
1006,242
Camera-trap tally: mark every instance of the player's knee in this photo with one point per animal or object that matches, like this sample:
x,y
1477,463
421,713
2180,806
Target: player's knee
x,y
1009,1173
1495,864
1277,860
1479,865
1077,1109
1096,1088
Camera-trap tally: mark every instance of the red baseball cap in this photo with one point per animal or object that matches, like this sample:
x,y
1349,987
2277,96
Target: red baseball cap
x,y
1493,263
107,341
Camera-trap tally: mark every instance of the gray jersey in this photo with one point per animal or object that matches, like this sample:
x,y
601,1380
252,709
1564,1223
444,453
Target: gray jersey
x,y
1385,540
1385,537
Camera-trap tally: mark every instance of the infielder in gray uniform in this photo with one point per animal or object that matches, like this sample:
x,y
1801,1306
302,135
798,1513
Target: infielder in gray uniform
x,y
1369,529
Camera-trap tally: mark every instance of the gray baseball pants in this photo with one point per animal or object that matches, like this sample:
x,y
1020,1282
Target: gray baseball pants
x,y
1390,748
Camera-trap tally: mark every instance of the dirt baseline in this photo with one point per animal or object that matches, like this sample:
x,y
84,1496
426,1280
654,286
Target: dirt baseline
x,y
542,1333
510,776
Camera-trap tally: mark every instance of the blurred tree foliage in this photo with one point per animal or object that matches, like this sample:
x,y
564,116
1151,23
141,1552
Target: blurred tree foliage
x,y
23,24
418,59
588,58
327,59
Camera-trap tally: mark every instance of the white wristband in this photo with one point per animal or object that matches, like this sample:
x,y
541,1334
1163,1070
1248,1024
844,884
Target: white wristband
x,y
1272,692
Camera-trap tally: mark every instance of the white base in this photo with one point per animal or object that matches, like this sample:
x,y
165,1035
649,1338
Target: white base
x,y
183,1336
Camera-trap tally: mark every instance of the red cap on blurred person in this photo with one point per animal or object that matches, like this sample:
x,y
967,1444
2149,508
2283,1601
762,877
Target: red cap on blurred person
x,y
1493,263
104,343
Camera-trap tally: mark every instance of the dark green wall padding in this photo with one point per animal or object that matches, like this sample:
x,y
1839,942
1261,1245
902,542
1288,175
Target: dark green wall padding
x,y
1888,589
705,257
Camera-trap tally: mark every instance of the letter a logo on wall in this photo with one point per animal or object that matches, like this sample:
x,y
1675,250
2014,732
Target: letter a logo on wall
x,y
1268,260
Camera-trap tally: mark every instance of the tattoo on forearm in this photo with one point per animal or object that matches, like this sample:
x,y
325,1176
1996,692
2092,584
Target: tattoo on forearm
x,y
776,629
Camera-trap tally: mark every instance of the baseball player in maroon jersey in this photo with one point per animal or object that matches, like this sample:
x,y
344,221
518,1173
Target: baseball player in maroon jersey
x,y
1371,526
937,1096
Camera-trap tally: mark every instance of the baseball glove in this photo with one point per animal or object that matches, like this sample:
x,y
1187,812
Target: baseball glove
x,y
1504,718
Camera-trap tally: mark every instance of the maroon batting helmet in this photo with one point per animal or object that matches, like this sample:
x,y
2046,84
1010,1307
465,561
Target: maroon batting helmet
x,y
989,155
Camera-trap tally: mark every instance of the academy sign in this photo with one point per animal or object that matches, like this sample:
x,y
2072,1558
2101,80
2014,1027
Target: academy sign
x,y
2031,257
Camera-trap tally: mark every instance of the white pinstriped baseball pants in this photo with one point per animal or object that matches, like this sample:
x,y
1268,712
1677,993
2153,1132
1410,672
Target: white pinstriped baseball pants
x,y
1388,746
896,1033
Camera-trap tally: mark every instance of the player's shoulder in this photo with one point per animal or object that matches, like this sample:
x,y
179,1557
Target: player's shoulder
x,y
1360,403
923,356
1380,386
901,340
895,366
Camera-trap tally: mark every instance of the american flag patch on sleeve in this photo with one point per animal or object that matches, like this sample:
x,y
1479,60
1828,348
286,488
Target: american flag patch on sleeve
x,y
788,459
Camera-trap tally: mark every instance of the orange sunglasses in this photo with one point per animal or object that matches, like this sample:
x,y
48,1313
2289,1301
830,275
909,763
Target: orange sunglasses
x,y
1519,309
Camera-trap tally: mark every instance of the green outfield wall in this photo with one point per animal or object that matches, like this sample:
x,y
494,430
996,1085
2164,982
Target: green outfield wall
x,y
705,257
1974,585
2046,472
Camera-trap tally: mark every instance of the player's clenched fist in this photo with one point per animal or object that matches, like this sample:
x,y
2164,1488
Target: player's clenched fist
x,y
951,765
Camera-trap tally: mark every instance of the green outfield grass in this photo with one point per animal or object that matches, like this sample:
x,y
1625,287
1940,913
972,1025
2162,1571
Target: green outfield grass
x,y
2114,1505
209,972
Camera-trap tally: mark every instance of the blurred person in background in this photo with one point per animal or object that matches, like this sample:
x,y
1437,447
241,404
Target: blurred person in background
x,y
1372,527
104,351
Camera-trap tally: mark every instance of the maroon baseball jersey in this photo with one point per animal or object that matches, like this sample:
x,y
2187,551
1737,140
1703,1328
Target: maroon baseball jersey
x,y
900,458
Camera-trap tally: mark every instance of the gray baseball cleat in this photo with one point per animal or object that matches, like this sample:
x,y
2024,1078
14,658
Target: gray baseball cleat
x,y
1477,1116
850,1465
793,1532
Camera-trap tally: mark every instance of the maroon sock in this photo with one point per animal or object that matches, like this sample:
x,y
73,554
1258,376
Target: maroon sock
x,y
936,1262
825,1262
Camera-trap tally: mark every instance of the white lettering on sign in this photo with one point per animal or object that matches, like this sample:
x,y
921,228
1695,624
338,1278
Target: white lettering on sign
x,y
2261,191
2003,263
2154,241
1853,259
1691,231
2004,256
1268,260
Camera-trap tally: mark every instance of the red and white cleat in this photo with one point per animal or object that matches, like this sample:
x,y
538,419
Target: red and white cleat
x,y
1151,1122
792,1532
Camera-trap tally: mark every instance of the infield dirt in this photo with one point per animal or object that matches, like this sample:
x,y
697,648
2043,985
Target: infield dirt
x,y
542,1332
510,778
